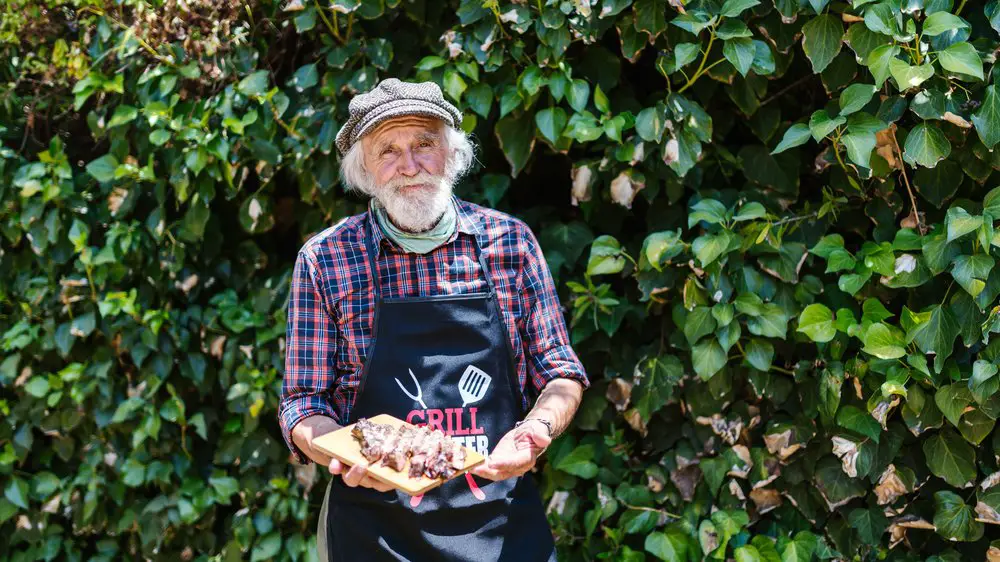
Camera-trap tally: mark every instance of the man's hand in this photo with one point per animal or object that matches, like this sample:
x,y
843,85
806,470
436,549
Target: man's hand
x,y
357,475
307,430
516,452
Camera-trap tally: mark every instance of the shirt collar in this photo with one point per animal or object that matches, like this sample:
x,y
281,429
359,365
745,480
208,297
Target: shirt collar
x,y
468,222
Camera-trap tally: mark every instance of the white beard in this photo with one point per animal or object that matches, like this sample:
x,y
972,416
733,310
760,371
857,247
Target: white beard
x,y
419,211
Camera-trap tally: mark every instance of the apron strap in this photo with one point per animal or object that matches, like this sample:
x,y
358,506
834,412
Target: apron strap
x,y
371,252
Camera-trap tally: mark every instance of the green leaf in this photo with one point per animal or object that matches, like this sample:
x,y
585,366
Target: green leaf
x,y
883,342
103,168
267,548
650,123
950,458
855,97
750,211
976,426
870,524
657,378
517,139
908,76
708,358
670,546
852,418
123,114
859,147
942,22
984,382
733,8
17,492
796,135
747,553
708,210
836,487
708,247
799,549
822,37
760,354
962,58
816,321
551,122
578,94
699,323
605,256
881,60
926,145
987,119
938,334
883,18
253,85
954,519
952,401
821,124
579,462
959,223
740,53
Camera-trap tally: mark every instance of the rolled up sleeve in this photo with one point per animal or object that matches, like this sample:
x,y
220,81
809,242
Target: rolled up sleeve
x,y
311,340
546,339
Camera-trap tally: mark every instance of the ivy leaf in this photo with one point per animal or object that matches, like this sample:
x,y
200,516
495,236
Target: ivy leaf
x,y
650,123
267,548
551,122
952,401
123,114
962,58
708,210
880,61
760,354
938,334
605,256
579,462
800,548
480,99
984,382
852,418
733,8
656,381
908,76
516,135
926,145
942,22
950,458
816,321
17,492
954,519
740,52
882,342
821,124
796,135
859,147
103,168
855,97
987,119
976,426
822,37
870,524
578,94
707,358
670,546
959,223
253,85
708,247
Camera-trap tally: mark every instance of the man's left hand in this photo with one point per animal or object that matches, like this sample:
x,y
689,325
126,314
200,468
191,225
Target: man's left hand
x,y
516,452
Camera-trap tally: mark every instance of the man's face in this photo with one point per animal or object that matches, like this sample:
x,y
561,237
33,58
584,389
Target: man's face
x,y
407,160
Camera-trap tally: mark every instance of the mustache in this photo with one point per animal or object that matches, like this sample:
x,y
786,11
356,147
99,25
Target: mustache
x,y
422,178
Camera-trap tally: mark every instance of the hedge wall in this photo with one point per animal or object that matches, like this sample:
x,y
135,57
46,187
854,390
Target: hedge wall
x,y
771,223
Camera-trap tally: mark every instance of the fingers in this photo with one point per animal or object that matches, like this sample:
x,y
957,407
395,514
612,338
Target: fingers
x,y
336,467
357,476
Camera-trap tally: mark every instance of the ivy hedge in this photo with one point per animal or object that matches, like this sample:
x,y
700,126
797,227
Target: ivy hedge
x,y
771,223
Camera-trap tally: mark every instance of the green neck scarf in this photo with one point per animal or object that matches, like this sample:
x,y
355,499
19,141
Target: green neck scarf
x,y
417,242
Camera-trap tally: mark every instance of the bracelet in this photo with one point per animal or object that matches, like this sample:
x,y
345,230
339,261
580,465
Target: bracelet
x,y
546,423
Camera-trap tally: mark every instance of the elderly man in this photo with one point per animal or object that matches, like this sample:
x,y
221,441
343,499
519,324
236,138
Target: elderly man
x,y
392,309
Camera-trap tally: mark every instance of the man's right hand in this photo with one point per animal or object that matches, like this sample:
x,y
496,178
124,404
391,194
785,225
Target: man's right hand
x,y
307,430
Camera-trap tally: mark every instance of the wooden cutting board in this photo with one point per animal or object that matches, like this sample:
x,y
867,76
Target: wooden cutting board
x,y
344,447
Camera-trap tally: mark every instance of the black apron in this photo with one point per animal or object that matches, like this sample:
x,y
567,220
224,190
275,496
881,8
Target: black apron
x,y
444,361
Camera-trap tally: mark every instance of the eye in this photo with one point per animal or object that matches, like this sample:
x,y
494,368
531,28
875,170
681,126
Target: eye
x,y
425,144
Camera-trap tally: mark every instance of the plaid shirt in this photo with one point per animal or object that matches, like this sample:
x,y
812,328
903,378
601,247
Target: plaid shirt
x,y
331,306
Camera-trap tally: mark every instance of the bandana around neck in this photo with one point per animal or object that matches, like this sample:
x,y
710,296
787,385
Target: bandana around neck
x,y
417,242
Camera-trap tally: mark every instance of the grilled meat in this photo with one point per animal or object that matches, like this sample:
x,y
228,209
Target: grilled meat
x,y
429,451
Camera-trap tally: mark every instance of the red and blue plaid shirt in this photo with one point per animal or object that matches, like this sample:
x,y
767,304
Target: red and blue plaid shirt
x,y
332,304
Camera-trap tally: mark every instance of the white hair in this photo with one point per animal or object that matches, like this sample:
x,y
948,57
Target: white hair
x,y
461,155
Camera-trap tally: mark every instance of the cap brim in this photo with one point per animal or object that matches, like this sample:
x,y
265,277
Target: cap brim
x,y
402,108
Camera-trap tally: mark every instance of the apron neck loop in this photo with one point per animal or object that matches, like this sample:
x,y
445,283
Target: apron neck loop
x,y
371,252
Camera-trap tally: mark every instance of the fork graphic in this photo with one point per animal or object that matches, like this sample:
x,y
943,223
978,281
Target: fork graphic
x,y
419,396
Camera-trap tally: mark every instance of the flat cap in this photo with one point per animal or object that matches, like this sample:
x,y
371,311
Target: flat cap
x,y
394,98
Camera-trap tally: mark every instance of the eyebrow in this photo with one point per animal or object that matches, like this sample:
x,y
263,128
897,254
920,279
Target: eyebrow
x,y
428,136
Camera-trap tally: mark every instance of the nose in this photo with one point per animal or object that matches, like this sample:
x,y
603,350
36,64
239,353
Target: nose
x,y
408,165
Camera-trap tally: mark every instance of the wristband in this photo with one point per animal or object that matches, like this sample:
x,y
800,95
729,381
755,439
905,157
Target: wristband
x,y
546,423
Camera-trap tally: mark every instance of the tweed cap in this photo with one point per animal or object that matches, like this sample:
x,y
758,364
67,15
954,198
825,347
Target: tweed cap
x,y
394,98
